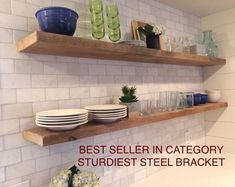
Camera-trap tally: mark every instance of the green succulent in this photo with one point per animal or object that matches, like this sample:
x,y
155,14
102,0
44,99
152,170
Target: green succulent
x,y
128,95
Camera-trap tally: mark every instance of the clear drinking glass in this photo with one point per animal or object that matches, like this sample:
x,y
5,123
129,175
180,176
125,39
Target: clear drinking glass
x,y
181,101
172,100
143,107
162,101
189,99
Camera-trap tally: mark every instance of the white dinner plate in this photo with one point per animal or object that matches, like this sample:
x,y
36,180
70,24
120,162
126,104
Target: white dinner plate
x,y
61,119
104,118
107,120
108,114
62,127
62,113
104,108
60,123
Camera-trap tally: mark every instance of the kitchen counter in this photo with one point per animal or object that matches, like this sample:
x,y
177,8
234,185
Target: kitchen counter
x,y
194,176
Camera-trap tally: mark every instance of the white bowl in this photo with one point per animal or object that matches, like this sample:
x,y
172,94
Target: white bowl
x,y
213,97
214,91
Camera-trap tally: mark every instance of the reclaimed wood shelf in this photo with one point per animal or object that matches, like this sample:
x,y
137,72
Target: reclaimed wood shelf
x,y
61,45
44,137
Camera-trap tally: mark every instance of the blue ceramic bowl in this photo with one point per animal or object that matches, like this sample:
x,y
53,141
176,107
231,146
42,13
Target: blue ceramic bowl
x,y
57,20
197,98
204,98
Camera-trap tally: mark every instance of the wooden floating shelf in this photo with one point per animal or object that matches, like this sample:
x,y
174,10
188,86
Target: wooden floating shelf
x,y
61,45
44,137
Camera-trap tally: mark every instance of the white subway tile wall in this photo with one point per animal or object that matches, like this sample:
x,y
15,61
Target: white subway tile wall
x,y
31,83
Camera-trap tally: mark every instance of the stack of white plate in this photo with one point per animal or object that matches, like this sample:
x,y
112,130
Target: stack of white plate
x,y
63,119
107,113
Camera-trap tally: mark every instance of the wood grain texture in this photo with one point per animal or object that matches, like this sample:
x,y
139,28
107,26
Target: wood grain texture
x,y
44,137
60,45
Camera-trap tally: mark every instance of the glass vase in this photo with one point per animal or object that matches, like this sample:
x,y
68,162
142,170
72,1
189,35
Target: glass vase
x,y
211,48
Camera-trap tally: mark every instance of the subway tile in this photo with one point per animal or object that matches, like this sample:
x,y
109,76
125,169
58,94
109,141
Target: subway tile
x,y
97,70
2,174
68,81
41,3
23,9
22,184
74,103
11,182
55,68
6,35
10,157
27,123
57,93
13,22
33,25
88,80
48,162
5,6
7,96
38,179
29,67
30,95
16,111
15,81
21,169
113,70
48,105
78,69
34,151
80,92
1,144
9,127
19,35
15,141
44,81
98,91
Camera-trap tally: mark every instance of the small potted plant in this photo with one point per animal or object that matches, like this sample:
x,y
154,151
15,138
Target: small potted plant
x,y
129,98
152,34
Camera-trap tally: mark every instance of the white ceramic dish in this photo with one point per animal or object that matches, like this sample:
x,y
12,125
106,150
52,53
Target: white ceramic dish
x,y
61,119
109,115
62,113
104,108
60,122
213,97
62,127
106,118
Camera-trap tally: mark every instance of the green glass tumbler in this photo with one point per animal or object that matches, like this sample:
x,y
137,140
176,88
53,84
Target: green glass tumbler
x,y
115,34
112,10
98,31
96,6
113,23
97,19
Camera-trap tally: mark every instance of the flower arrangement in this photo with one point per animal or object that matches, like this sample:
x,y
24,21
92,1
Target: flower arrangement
x,y
152,30
128,95
75,178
